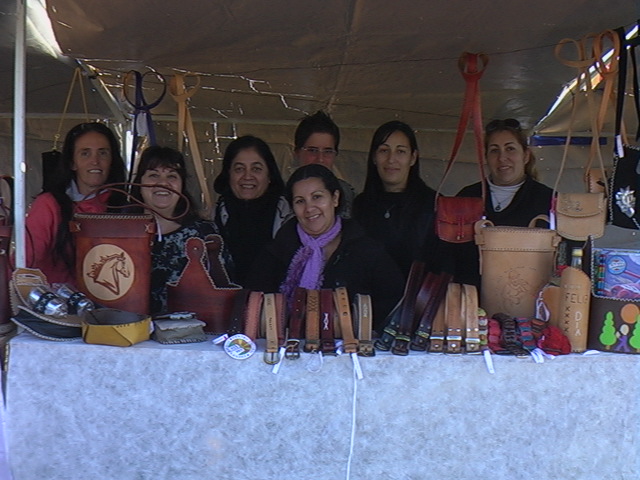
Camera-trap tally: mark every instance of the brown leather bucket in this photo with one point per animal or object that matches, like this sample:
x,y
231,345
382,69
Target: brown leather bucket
x,y
196,292
113,259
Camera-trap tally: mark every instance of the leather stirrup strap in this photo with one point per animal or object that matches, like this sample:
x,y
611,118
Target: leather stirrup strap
x,y
327,317
349,341
362,313
312,343
296,322
181,94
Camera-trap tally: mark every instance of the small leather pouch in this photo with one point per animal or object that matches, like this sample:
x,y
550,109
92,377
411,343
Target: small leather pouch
x,y
456,216
109,326
178,331
580,215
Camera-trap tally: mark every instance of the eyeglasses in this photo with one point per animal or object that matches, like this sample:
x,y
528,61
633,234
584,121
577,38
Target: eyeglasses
x,y
325,152
506,124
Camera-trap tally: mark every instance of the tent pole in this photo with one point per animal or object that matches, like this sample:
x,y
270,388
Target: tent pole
x,y
19,167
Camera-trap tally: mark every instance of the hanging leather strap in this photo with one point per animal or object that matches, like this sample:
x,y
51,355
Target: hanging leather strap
x,y
182,94
77,75
363,315
312,343
327,317
296,322
341,299
472,66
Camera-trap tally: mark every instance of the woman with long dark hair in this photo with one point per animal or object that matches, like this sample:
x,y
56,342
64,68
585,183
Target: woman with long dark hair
x,y
396,206
90,159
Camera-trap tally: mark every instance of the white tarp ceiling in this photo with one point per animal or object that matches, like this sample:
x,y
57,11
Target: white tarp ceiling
x,y
263,64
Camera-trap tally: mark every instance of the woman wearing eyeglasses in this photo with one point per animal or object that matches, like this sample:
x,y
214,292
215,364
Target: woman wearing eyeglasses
x,y
396,206
251,208
514,196
316,140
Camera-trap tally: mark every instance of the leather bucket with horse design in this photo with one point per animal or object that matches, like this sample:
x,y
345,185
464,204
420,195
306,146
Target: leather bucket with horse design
x,y
113,259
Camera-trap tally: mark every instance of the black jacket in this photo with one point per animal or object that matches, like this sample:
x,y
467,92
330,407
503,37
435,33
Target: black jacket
x,y
359,263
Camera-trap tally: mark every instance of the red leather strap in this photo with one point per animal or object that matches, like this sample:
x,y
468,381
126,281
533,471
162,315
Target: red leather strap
x,y
327,318
472,66
436,293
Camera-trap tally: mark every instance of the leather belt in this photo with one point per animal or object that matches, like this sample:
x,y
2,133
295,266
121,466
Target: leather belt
x,y
296,321
436,286
437,330
312,343
281,317
390,330
453,313
363,315
270,322
472,334
407,311
236,325
349,342
327,334
483,329
252,316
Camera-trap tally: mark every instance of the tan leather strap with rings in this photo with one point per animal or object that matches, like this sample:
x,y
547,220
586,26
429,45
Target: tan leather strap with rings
x,y
312,343
270,322
349,341
182,94
363,317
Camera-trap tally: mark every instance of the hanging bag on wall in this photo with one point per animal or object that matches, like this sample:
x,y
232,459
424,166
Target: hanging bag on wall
x,y
515,263
576,216
455,216
624,202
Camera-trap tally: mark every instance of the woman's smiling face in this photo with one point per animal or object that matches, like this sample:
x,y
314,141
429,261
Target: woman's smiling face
x,y
314,205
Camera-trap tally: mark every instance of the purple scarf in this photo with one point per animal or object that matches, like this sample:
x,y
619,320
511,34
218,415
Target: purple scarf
x,y
305,269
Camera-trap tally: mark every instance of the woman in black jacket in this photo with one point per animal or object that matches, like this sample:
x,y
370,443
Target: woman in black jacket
x,y
319,249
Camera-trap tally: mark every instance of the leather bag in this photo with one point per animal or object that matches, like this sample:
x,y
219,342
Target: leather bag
x,y
195,291
456,216
580,215
515,263
113,259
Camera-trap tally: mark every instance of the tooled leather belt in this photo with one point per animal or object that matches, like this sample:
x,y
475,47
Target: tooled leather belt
x,y
270,322
349,341
327,335
296,322
436,344
362,313
312,342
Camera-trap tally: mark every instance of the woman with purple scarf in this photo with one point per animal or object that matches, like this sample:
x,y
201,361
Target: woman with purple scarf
x,y
319,249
